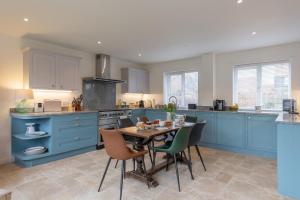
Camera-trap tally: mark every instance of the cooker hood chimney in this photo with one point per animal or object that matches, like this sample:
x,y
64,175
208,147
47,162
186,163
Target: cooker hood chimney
x,y
103,70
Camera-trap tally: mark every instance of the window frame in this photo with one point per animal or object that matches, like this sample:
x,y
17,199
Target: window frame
x,y
166,81
258,67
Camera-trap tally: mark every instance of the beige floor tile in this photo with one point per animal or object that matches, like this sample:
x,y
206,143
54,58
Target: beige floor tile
x,y
229,176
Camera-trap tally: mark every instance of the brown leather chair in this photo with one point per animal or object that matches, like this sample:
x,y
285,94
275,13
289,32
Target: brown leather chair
x,y
116,148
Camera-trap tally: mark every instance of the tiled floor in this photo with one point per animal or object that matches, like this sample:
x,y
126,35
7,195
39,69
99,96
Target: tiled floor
x,y
230,176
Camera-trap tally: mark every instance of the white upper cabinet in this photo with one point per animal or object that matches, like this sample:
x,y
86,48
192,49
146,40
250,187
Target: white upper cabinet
x,y
66,73
137,80
45,70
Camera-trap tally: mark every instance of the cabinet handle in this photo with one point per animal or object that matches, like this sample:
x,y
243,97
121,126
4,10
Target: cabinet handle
x,y
249,117
77,138
53,86
77,124
61,87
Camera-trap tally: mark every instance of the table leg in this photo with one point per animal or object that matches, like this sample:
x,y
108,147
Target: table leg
x,y
139,172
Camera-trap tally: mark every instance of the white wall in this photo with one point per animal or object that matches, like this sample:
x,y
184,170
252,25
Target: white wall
x,y
215,70
11,71
204,64
225,62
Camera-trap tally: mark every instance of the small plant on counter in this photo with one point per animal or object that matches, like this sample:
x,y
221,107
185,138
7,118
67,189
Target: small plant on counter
x,y
170,108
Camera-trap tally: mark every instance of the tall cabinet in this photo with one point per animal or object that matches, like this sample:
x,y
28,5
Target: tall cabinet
x,y
47,70
137,80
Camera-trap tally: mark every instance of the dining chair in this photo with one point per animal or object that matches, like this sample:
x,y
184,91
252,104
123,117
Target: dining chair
x,y
191,119
195,140
124,123
116,148
178,146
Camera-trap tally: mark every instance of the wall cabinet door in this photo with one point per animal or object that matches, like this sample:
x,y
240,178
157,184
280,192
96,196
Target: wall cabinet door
x,y
42,71
231,129
67,73
45,70
209,133
137,80
261,133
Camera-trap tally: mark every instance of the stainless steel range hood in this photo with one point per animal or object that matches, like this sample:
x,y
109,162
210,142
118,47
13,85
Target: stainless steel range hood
x,y
103,70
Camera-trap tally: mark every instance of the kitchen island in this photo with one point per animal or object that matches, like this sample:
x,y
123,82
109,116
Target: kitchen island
x,y
288,161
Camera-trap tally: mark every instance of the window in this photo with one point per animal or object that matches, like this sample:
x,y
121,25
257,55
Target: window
x,y
182,85
263,85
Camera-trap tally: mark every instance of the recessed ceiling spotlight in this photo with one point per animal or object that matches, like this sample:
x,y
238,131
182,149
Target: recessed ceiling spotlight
x,y
99,42
26,19
139,54
240,1
254,33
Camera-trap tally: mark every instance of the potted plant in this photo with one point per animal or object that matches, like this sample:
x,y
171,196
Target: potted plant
x,y
170,108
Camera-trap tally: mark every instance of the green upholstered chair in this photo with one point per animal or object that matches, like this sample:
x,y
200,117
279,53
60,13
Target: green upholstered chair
x,y
191,119
178,146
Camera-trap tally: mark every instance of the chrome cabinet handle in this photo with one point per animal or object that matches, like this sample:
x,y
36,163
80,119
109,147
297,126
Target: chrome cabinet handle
x,y
77,138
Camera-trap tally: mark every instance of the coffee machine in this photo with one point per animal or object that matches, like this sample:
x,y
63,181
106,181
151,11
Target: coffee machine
x,y
219,105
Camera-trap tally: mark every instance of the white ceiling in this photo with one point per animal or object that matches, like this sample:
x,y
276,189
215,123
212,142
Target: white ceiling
x,y
159,29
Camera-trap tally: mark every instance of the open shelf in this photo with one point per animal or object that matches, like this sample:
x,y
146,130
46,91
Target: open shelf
x,y
25,137
23,156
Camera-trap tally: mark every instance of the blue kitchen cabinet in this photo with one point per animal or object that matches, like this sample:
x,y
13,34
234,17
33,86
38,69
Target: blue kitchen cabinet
x,y
288,159
208,133
68,134
231,129
154,114
137,113
74,132
261,133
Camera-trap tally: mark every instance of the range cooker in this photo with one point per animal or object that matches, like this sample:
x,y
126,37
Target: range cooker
x,y
108,120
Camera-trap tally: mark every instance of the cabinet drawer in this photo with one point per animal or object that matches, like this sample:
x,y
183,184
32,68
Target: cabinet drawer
x,y
73,121
75,138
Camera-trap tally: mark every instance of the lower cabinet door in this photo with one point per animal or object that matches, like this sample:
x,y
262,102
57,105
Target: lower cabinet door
x,y
156,114
231,129
75,138
208,132
262,133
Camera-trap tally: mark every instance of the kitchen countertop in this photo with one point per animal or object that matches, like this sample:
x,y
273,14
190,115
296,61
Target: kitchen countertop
x,y
285,118
225,111
47,114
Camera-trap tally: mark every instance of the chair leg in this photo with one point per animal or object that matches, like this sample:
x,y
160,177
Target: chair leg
x,y
177,174
133,162
189,165
116,163
154,157
104,174
189,154
199,154
167,167
149,151
124,169
122,177
146,176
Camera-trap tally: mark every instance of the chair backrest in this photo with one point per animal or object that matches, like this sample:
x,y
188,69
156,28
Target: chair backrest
x,y
144,119
126,122
196,133
181,140
191,119
115,145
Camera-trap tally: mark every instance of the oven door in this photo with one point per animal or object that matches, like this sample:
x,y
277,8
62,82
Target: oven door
x,y
106,126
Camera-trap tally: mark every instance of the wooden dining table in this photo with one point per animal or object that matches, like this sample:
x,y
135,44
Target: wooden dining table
x,y
143,137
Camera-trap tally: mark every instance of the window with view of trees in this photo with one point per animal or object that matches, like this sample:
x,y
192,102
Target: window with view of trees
x,y
182,85
264,85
